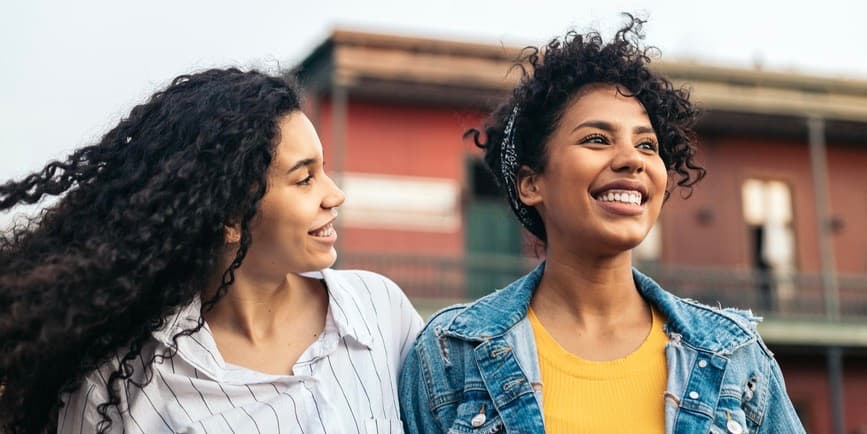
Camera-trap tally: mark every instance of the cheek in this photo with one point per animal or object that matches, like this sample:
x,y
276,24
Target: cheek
x,y
658,174
278,217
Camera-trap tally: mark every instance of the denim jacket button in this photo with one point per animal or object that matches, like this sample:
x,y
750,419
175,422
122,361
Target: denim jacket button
x,y
702,363
693,394
478,420
734,427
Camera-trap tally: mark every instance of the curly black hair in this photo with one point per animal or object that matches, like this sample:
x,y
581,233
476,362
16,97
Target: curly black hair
x,y
559,71
135,235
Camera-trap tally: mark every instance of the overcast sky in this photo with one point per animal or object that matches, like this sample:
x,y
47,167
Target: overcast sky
x,y
71,69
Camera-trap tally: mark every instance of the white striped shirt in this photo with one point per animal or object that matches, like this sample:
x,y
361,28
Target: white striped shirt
x,y
345,382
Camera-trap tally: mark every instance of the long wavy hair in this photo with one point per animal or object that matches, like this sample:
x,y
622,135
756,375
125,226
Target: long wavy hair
x,y
553,74
136,234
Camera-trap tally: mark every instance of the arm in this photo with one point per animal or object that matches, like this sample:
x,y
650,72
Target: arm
x,y
414,400
780,416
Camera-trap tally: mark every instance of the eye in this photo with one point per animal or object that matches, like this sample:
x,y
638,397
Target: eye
x,y
305,181
648,145
596,139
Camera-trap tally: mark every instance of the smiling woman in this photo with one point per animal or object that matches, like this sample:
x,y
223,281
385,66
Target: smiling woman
x,y
181,283
585,343
607,148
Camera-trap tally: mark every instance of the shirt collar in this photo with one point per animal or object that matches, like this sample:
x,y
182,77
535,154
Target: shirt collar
x,y
714,329
352,317
497,312
702,326
199,349
186,317
346,315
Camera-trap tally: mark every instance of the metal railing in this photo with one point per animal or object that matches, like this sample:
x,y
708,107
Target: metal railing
x,y
791,295
433,282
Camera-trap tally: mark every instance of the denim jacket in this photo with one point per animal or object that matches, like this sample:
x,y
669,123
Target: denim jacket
x,y
474,369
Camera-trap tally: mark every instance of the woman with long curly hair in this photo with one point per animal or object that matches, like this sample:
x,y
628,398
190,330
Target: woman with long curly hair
x,y
584,343
181,282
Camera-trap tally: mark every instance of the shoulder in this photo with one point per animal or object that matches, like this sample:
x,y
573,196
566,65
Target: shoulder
x,y
714,328
377,289
431,337
443,318
697,321
363,280
379,298
741,319
441,361
364,287
93,386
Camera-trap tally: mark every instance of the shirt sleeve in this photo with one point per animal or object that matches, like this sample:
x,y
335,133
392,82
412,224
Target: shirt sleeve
x,y
407,321
780,416
411,324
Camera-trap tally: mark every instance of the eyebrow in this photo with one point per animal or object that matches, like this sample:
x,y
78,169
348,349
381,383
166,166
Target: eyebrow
x,y
602,125
302,163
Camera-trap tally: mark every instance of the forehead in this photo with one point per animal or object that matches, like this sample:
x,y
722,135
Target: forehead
x,y
604,102
297,141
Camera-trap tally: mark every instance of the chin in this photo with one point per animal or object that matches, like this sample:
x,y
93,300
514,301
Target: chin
x,y
618,248
326,260
620,243
315,262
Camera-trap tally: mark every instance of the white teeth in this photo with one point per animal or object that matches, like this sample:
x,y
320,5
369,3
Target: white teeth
x,y
625,196
326,231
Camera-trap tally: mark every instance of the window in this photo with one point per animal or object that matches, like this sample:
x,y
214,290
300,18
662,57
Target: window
x,y
767,207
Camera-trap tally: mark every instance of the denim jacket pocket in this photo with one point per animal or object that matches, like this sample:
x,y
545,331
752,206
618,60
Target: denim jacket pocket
x,y
477,417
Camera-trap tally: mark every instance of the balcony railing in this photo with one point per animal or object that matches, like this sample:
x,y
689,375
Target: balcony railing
x,y
433,282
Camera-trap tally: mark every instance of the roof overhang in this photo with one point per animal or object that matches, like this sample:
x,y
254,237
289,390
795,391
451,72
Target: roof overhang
x,y
390,67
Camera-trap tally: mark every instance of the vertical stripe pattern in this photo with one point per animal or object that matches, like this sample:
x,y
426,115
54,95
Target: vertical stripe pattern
x,y
345,382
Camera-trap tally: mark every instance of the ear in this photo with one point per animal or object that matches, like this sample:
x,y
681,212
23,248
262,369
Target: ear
x,y
232,234
529,186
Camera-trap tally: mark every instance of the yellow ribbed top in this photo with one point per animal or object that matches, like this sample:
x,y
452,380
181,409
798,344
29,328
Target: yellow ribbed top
x,y
619,396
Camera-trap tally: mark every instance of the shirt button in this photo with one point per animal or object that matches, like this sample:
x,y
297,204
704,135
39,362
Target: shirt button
x,y
478,420
693,394
702,363
734,427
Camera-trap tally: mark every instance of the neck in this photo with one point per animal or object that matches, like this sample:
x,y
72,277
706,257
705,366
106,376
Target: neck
x,y
256,306
591,292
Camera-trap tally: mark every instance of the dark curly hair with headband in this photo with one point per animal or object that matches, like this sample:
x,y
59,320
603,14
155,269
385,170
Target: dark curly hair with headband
x,y
556,73
135,235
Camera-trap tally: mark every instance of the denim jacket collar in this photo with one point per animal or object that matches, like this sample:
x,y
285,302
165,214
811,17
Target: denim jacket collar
x,y
498,312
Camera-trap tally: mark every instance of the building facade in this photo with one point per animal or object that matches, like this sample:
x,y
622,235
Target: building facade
x,y
778,225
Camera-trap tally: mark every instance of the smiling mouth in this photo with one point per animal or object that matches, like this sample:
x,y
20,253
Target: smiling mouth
x,y
629,197
325,231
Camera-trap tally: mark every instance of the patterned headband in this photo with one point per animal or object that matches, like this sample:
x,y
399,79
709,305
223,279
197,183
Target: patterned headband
x,y
509,170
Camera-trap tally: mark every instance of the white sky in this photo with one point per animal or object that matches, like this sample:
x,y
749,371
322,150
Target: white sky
x,y
70,69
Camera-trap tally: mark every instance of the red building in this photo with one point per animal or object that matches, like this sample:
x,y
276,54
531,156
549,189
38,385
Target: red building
x,y
778,225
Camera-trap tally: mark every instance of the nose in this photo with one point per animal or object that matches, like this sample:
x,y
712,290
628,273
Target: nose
x,y
627,158
334,196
